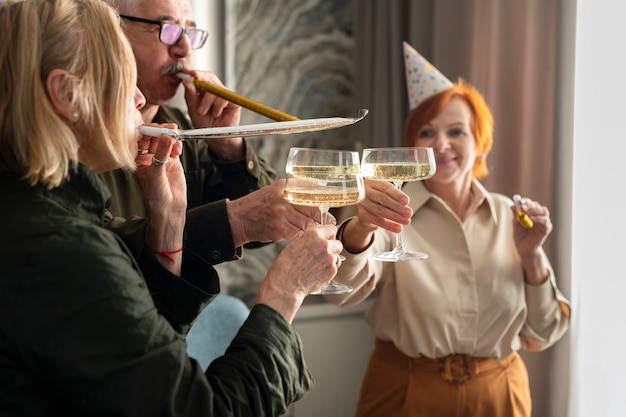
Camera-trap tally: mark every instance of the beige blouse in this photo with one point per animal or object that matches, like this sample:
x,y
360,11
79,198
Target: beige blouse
x,y
468,297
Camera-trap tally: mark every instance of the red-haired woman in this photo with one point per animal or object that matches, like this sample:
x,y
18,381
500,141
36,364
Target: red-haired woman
x,y
448,328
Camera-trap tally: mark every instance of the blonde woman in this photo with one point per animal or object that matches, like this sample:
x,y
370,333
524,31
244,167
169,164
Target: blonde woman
x,y
80,333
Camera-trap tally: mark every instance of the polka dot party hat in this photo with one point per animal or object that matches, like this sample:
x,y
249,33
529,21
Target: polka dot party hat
x,y
422,78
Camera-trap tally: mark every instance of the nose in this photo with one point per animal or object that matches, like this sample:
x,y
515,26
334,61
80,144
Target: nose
x,y
140,99
182,48
441,142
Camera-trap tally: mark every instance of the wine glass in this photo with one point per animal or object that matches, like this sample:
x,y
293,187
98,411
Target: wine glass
x,y
324,178
398,165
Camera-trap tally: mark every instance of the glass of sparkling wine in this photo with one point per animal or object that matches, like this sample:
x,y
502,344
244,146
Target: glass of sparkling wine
x,y
398,165
324,178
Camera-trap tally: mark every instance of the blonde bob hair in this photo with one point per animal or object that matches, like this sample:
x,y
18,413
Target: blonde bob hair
x,y
84,38
482,120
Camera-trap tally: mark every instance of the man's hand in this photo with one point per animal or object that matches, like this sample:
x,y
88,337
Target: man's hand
x,y
208,110
265,216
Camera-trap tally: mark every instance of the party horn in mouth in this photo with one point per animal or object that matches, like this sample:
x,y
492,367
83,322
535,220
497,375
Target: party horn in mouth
x,y
522,217
233,97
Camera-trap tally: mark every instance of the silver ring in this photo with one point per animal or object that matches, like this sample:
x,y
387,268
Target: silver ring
x,y
158,162
143,151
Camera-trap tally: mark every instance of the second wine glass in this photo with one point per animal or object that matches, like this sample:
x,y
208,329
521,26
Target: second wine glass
x,y
398,165
324,178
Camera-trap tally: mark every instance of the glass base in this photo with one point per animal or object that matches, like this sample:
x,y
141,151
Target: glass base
x,y
399,256
333,288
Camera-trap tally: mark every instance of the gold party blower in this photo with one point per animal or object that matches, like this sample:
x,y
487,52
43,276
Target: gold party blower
x,y
522,217
233,97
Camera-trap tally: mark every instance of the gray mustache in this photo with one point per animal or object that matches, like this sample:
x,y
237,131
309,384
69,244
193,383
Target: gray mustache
x,y
173,69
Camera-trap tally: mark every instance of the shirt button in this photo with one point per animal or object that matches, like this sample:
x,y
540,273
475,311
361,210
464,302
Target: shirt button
x,y
216,255
250,165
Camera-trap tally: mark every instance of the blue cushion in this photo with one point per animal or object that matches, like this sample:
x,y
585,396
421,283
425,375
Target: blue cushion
x,y
215,328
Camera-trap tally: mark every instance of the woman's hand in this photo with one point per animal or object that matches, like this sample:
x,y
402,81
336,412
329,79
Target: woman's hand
x,y
528,241
164,191
384,206
305,265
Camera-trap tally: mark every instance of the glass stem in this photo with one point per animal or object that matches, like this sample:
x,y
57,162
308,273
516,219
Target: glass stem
x,y
399,247
323,210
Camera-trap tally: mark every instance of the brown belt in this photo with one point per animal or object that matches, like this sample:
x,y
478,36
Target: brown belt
x,y
456,369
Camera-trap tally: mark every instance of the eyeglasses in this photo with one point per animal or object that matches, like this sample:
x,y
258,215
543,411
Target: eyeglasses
x,y
170,33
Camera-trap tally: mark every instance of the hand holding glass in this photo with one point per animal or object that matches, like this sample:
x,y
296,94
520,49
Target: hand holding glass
x,y
398,165
324,178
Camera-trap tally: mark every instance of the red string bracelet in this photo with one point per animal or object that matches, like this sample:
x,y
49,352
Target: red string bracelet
x,y
167,254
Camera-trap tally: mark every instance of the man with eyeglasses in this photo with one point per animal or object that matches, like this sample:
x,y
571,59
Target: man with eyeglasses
x,y
233,196
170,33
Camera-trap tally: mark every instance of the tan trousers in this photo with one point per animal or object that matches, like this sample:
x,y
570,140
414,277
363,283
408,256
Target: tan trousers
x,y
396,385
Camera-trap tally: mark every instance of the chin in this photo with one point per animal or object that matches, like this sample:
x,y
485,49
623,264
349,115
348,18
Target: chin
x,y
165,98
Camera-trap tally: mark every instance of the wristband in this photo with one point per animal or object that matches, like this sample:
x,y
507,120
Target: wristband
x,y
167,254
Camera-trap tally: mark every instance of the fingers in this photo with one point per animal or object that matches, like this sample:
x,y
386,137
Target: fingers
x,y
209,76
529,240
143,145
328,218
539,214
384,200
384,206
297,218
328,231
158,150
264,215
332,248
202,103
322,252
288,282
338,260
303,217
163,151
286,221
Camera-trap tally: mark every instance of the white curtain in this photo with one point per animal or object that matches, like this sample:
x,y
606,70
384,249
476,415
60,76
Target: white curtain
x,y
520,55
598,339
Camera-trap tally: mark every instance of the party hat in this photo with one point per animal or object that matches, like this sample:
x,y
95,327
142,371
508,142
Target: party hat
x,y
422,78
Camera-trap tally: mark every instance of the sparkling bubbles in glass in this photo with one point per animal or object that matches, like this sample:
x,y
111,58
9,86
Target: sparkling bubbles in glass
x,y
324,178
398,165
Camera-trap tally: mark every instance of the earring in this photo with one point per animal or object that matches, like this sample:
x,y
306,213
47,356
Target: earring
x,y
75,115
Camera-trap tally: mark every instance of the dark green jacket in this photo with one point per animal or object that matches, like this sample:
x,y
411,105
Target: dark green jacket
x,y
80,334
209,183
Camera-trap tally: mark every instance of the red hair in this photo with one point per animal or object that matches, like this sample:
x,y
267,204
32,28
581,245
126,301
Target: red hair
x,y
481,124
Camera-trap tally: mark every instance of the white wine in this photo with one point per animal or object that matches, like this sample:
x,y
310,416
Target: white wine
x,y
331,171
323,197
400,171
